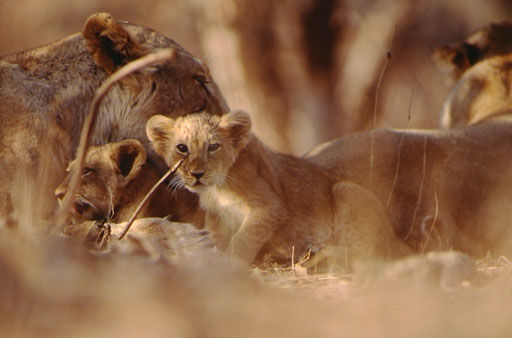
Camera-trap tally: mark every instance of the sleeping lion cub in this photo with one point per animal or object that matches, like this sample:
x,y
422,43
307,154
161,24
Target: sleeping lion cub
x,y
115,179
265,206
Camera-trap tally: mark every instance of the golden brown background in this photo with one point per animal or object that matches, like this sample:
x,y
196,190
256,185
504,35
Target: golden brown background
x,y
306,70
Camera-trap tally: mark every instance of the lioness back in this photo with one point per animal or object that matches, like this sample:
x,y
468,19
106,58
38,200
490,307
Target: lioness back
x,y
441,189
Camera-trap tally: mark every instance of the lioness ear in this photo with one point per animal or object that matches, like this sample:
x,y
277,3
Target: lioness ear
x,y
238,126
129,156
158,130
457,58
109,43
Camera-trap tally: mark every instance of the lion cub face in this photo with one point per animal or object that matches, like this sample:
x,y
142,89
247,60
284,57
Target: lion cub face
x,y
107,171
209,143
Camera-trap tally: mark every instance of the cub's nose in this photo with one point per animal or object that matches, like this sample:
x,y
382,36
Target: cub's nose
x,y
198,174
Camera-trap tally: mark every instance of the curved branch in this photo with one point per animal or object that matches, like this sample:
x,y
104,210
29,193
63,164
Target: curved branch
x,y
85,136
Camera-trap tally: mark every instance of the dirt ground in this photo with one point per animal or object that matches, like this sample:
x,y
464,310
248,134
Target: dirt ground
x,y
52,287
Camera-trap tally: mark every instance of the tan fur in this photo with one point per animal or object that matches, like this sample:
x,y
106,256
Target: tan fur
x,y
482,67
265,206
46,92
441,189
116,178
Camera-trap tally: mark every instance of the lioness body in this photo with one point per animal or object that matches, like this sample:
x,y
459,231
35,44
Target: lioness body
x,y
262,205
45,94
441,189
115,180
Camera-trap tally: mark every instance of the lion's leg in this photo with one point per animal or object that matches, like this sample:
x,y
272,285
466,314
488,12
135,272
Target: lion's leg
x,y
221,233
360,222
256,230
362,229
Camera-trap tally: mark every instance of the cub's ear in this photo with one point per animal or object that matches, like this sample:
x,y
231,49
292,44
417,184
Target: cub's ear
x,y
129,156
109,43
237,124
158,130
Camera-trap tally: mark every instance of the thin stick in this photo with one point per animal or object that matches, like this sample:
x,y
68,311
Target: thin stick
x,y
399,152
420,192
148,195
293,259
85,136
375,106
433,222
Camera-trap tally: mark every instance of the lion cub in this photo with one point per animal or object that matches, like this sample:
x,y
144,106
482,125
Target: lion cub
x,y
115,179
262,205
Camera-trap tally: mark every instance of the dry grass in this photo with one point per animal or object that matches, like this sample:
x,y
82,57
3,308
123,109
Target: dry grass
x,y
53,286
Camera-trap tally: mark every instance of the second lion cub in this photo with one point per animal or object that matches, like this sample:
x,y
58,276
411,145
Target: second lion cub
x,y
116,178
265,206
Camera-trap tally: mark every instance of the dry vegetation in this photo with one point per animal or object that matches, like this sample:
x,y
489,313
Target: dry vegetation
x,y
52,287
292,83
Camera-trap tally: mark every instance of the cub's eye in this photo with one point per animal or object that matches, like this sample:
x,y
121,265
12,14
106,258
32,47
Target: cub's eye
x,y
87,171
182,148
213,147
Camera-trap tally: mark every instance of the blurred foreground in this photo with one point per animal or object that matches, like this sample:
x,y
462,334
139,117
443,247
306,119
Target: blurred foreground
x,y
54,287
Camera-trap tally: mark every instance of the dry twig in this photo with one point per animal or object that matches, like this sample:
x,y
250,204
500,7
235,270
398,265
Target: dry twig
x,y
148,195
395,179
377,90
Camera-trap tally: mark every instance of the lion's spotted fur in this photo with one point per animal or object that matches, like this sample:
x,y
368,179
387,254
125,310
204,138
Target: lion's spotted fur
x,y
265,206
46,92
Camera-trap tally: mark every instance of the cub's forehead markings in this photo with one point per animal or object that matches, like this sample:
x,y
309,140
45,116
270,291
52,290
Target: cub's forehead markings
x,y
195,128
